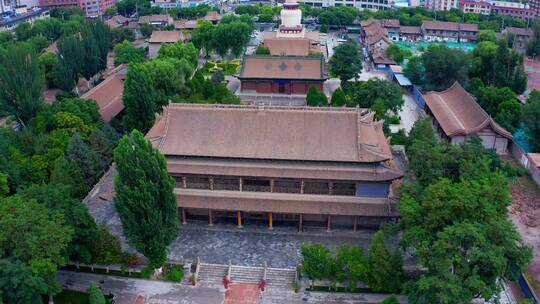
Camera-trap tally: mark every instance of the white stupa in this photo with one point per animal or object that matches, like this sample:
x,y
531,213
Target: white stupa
x,y
291,21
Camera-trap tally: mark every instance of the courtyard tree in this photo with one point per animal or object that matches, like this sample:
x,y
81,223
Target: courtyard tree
x,y
385,268
75,214
316,261
351,265
262,50
145,199
533,47
497,65
316,98
65,73
339,99
34,234
346,63
79,152
21,82
414,70
365,93
457,226
106,248
444,66
392,299
170,77
202,36
95,295
18,284
530,116
126,52
486,35
66,172
139,97
422,130
232,35
180,50
395,53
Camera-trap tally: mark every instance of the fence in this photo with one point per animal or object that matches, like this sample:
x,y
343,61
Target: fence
x,y
418,97
527,289
521,156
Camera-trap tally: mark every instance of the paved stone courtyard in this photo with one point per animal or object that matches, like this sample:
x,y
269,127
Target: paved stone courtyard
x,y
252,246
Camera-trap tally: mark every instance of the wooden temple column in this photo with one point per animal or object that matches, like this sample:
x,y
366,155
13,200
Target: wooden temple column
x,y
300,224
239,218
211,183
270,221
184,216
328,223
210,218
355,223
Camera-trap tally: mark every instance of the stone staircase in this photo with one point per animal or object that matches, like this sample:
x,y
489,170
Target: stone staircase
x,y
280,277
214,274
245,274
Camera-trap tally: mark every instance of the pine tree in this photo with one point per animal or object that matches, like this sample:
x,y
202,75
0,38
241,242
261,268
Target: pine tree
x,y
111,134
316,98
139,99
95,295
144,197
338,98
384,273
86,159
66,172
101,147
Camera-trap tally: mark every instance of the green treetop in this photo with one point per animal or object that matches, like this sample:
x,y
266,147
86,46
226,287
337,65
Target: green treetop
x,y
145,199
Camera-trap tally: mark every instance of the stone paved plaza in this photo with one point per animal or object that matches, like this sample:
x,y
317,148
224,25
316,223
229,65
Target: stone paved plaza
x,y
252,246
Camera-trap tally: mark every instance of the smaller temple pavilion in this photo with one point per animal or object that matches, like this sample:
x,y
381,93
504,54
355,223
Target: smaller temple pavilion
x,y
292,75
294,65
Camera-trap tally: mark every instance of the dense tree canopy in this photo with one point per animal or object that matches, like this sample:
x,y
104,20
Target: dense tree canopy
x,y
346,63
443,66
497,65
33,234
365,93
202,36
145,199
126,52
316,98
232,34
454,215
139,97
180,50
397,54
18,284
21,82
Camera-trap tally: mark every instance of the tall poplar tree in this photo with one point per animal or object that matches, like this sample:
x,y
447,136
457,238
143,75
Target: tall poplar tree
x,y
21,82
139,97
144,197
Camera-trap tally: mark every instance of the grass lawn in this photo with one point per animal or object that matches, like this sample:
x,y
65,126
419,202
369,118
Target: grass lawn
x,y
228,68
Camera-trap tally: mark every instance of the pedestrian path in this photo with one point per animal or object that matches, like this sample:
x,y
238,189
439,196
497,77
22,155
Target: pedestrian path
x,y
242,293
